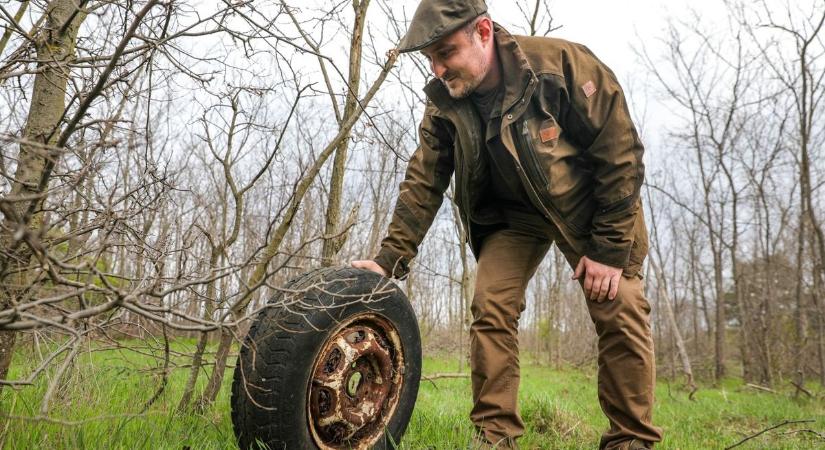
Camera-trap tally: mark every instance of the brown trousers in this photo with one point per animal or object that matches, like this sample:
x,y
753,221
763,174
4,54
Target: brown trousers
x,y
626,368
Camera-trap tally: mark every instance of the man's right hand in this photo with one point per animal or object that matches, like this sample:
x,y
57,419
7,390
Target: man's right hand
x,y
369,264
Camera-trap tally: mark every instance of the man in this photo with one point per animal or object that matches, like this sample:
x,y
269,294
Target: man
x,y
538,134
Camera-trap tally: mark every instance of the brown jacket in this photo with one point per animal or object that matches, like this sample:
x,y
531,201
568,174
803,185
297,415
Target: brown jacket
x,y
566,123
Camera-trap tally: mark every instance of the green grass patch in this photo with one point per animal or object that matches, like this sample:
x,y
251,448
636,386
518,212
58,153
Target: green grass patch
x,y
98,403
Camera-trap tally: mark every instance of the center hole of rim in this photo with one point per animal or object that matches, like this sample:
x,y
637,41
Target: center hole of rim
x,y
353,383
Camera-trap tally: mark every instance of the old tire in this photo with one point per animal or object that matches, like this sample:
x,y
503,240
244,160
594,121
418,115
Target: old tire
x,y
333,363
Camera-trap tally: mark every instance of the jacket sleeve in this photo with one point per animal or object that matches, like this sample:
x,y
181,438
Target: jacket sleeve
x,y
600,122
419,198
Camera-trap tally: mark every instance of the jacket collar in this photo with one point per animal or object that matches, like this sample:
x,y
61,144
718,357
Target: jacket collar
x,y
516,74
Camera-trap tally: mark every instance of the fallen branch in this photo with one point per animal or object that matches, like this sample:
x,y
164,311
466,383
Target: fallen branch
x,y
799,389
787,422
805,430
437,376
760,388
73,423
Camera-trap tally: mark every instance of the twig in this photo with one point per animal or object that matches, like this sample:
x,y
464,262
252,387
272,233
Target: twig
x,y
44,404
36,372
693,390
570,430
165,374
787,422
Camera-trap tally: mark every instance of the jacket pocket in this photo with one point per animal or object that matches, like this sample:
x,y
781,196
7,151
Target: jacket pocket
x,y
559,168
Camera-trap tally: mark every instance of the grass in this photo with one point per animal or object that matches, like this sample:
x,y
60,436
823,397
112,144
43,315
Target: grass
x,y
560,411
96,408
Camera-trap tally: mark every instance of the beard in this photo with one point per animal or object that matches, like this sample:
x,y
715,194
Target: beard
x,y
462,89
463,84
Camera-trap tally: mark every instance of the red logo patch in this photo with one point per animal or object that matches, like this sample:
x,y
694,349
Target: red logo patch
x,y
589,88
548,134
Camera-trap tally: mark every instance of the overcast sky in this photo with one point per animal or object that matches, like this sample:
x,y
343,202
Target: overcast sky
x,y
610,28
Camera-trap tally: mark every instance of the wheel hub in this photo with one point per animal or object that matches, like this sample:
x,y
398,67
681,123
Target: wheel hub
x,y
356,382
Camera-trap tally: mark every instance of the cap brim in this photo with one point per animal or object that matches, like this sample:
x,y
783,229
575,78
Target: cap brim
x,y
404,47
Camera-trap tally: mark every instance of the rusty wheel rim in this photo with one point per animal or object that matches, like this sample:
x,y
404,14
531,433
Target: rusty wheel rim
x,y
356,383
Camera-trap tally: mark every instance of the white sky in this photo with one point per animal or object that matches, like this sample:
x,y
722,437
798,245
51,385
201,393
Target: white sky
x,y
611,29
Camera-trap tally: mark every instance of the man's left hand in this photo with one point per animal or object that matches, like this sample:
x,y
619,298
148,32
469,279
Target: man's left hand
x,y
600,281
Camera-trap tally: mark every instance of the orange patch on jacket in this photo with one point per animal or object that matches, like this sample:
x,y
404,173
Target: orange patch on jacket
x,y
548,134
589,88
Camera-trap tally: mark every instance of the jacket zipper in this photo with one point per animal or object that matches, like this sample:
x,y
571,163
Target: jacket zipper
x,y
523,147
531,154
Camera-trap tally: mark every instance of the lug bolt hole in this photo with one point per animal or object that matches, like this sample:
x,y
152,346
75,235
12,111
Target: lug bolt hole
x,y
332,362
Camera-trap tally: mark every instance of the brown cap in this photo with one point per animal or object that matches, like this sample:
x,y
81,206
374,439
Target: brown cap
x,y
435,19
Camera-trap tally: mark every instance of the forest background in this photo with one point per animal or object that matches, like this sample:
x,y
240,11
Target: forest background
x,y
165,166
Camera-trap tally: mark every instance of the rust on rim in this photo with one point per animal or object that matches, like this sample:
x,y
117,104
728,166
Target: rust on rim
x,y
356,383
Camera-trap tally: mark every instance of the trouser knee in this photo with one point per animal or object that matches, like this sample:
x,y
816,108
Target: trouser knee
x,y
495,310
627,315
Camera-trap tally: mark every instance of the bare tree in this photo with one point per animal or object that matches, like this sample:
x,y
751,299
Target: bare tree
x,y
49,128
803,80
714,126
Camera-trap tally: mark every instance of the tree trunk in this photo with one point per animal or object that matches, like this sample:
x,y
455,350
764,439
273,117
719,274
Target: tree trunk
x,y
55,45
555,307
684,359
334,240
203,339
800,325
466,289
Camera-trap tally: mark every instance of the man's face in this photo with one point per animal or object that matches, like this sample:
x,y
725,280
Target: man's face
x,y
459,61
